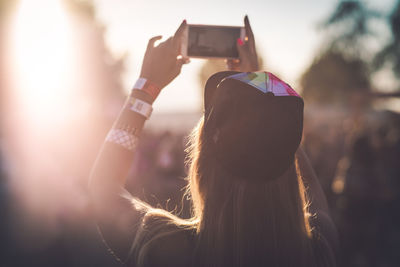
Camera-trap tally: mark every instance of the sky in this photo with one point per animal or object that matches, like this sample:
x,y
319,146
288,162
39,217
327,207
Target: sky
x,y
286,34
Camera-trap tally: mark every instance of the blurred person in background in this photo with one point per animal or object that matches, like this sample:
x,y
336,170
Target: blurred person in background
x,y
250,205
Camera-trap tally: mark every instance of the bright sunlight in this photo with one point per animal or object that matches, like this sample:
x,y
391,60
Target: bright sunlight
x,y
42,52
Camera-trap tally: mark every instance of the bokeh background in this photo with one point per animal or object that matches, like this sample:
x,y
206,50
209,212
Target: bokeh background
x,y
67,65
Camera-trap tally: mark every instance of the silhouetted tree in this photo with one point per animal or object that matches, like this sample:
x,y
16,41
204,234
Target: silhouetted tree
x,y
343,64
332,78
390,54
350,31
348,28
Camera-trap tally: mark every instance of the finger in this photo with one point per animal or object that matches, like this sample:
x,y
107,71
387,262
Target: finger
x,y
232,61
234,67
248,57
169,47
166,48
167,42
233,64
180,62
243,49
153,40
228,63
181,28
249,31
185,60
241,46
178,67
179,35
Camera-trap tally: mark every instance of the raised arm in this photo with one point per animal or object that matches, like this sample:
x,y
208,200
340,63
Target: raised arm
x,y
114,213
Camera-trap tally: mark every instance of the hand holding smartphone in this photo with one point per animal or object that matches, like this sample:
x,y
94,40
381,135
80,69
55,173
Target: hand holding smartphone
x,y
210,41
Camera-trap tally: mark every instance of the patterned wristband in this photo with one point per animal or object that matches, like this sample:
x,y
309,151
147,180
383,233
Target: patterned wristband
x,y
122,138
148,87
128,128
141,107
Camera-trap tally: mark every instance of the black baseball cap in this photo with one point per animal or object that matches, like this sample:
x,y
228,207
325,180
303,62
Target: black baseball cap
x,y
254,122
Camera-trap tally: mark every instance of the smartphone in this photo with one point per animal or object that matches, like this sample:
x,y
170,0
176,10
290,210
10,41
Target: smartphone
x,y
210,41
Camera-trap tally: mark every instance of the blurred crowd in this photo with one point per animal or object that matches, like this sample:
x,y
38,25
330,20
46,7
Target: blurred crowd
x,y
357,160
355,155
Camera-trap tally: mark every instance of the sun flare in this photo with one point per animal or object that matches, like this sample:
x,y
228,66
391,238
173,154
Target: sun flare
x,y
42,47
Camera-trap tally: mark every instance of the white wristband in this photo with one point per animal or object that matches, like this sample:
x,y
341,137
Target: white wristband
x,y
140,83
141,107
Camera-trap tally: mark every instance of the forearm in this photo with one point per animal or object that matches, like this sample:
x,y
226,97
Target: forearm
x,y
114,159
114,214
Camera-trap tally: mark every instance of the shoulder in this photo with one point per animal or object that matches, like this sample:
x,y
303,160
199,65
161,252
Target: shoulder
x,y
163,240
170,249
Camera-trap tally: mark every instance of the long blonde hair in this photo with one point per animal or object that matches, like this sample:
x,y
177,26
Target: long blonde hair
x,y
236,222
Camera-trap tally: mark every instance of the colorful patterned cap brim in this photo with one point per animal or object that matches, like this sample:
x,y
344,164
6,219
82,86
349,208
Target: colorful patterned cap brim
x,y
266,82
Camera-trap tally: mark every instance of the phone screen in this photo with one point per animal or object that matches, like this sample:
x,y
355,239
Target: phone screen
x,y
213,41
